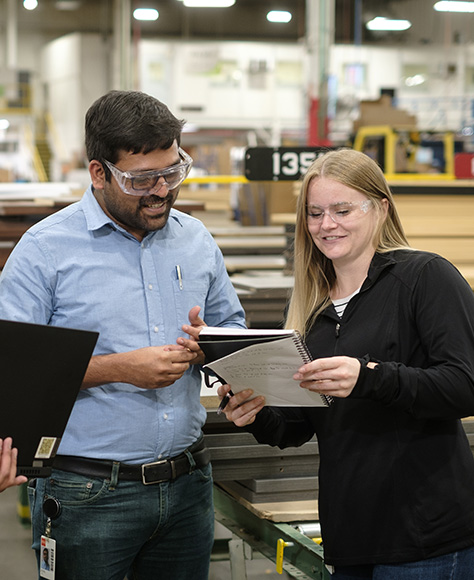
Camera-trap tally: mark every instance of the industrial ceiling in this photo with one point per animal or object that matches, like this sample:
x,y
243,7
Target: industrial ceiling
x,y
246,20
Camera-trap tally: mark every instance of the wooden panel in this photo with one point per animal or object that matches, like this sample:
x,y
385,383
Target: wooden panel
x,y
440,226
456,250
248,262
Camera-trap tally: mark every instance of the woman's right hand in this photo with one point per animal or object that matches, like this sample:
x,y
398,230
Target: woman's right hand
x,y
240,410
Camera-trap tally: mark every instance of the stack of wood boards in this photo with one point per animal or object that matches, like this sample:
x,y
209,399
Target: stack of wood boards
x,y
251,247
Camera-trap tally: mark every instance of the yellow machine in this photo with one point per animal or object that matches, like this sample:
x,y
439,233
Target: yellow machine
x,y
404,153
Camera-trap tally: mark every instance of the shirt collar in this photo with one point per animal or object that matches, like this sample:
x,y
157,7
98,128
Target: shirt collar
x,y
379,263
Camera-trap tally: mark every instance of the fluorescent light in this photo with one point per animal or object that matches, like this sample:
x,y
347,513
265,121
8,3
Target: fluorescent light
x,y
145,14
381,23
208,3
30,4
279,16
451,6
4,124
415,80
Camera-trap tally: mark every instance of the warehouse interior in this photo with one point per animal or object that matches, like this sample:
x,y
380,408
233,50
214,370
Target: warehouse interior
x,y
260,100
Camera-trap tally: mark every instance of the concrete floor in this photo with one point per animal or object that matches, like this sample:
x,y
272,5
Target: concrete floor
x,y
18,562
17,557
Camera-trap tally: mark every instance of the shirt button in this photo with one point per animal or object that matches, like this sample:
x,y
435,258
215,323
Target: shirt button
x,y
165,416
155,329
150,286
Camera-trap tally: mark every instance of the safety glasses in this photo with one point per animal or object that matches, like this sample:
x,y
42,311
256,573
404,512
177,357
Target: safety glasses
x,y
146,182
342,212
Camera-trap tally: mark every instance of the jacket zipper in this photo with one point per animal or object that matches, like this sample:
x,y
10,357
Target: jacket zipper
x,y
338,328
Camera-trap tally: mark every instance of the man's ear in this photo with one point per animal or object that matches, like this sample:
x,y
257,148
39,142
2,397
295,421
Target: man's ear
x,y
97,174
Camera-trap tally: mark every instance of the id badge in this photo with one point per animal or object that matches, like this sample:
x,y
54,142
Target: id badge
x,y
47,558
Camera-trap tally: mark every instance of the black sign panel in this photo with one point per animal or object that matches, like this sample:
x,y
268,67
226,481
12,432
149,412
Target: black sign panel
x,y
279,163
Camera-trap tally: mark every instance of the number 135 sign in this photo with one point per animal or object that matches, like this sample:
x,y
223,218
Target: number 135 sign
x,y
279,163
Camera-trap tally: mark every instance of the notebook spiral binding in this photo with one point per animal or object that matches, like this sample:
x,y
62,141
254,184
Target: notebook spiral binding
x,y
307,357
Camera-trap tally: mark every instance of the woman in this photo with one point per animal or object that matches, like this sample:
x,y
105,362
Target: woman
x,y
8,457
391,330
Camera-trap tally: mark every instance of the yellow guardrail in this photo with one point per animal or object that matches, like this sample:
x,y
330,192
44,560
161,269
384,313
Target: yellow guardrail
x,y
35,156
223,179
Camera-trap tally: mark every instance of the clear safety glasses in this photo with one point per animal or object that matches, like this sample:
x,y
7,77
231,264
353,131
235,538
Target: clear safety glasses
x,y
339,212
143,182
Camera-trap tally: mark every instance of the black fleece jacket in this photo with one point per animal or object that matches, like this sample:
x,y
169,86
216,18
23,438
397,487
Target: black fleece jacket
x,y
396,478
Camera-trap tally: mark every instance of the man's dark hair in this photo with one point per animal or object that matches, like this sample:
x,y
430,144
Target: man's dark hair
x,y
129,121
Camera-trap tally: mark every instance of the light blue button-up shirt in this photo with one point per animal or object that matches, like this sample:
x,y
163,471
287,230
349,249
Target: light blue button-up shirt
x,y
79,269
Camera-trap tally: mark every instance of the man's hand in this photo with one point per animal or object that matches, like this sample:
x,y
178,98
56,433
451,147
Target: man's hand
x,y
8,458
196,324
152,367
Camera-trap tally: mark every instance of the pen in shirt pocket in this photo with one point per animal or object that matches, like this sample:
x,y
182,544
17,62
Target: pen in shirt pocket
x,y
180,276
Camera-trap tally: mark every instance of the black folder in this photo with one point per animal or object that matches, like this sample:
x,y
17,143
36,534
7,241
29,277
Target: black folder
x,y
41,371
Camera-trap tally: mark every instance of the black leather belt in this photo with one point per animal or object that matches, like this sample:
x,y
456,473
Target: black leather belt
x,y
147,473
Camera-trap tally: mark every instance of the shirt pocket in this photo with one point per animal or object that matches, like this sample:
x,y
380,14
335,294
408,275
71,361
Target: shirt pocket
x,y
187,294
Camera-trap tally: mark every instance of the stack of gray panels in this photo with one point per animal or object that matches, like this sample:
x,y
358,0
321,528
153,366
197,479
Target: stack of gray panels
x,y
260,473
276,490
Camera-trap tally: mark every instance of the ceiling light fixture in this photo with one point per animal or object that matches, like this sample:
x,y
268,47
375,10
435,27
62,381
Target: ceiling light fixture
x,y
381,23
4,124
67,4
451,6
415,80
279,16
30,4
208,3
146,14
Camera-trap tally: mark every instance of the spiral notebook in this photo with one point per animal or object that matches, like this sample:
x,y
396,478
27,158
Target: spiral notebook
x,y
262,360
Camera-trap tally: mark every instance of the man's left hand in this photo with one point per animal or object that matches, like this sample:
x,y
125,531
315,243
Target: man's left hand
x,y
196,324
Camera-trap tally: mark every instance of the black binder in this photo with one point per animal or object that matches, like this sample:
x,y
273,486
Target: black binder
x,y
42,368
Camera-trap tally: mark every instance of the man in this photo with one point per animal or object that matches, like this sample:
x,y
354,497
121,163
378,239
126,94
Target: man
x,y
122,262
45,560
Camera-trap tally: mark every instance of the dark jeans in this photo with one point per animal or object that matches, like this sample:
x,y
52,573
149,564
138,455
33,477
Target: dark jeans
x,y
106,530
454,566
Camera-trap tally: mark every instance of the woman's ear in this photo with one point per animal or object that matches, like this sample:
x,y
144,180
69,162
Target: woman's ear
x,y
385,205
97,174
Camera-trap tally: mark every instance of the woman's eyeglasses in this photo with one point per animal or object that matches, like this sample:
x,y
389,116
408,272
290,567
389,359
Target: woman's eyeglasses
x,y
338,212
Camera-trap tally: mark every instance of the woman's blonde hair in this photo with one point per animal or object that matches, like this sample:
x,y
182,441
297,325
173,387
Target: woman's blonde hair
x,y
314,273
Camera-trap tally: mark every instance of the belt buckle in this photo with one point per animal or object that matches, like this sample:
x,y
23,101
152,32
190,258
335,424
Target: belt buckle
x,y
145,465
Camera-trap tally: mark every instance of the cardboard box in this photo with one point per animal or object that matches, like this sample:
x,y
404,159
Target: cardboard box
x,y
381,112
6,175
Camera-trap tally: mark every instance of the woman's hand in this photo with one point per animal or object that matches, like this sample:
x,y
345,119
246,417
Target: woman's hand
x,y
8,457
239,409
333,376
